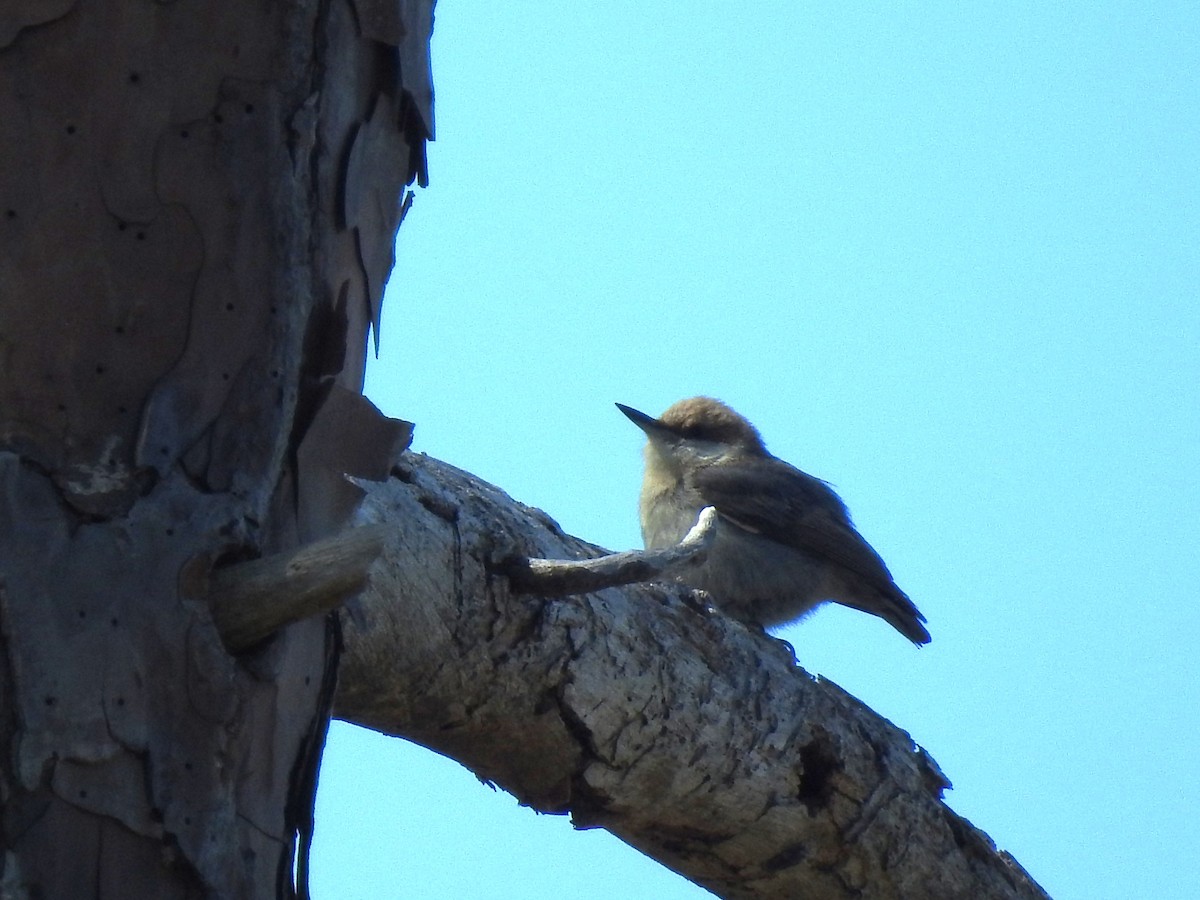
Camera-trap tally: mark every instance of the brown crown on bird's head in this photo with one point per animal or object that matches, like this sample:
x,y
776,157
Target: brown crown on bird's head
x,y
704,418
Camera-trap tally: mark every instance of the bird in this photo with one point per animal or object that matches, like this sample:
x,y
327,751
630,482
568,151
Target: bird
x,y
784,540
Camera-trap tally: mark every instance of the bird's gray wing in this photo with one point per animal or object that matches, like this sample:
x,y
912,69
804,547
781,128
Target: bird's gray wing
x,y
778,501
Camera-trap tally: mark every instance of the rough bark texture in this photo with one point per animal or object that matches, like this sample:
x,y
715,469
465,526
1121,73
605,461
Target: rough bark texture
x,y
197,209
691,737
250,601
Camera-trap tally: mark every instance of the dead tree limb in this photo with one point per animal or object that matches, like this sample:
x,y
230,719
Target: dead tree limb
x,y
691,737
252,600
559,577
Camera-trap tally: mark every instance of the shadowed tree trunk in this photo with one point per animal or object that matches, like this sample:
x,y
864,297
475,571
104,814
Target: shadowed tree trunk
x,y
197,209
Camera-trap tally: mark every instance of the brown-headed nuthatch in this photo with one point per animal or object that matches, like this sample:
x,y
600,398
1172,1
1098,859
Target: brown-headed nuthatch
x,y
784,542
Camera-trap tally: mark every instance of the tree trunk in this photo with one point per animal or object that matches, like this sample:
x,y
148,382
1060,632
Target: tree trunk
x,y
197,209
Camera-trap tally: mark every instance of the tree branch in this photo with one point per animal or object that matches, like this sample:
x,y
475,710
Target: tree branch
x,y
558,577
690,736
252,600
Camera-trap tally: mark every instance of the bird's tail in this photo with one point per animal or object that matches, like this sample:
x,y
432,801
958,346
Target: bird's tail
x,y
896,609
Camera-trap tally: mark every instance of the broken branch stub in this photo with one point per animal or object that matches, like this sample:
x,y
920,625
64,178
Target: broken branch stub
x,y
252,600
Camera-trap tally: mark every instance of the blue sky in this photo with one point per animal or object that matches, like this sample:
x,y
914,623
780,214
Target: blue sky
x,y
945,256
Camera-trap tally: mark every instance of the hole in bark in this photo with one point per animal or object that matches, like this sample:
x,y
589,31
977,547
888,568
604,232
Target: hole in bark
x,y
218,118
99,370
120,329
121,410
187,766
184,133
249,108
70,129
224,376
307,680
141,235
229,307
10,213
114,622
187,820
120,701
170,532
83,614
134,77
121,226
816,777
83,793
50,701
62,407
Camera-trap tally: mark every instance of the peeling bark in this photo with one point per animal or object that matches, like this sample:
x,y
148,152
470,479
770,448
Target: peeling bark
x,y
197,207
693,738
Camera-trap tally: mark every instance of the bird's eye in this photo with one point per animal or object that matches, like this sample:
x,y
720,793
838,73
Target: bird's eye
x,y
706,432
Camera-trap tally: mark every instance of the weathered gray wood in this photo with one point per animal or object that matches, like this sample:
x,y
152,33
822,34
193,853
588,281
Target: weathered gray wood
x,y
252,600
688,735
558,577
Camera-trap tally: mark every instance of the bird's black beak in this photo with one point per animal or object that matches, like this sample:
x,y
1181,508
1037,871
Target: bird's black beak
x,y
648,424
